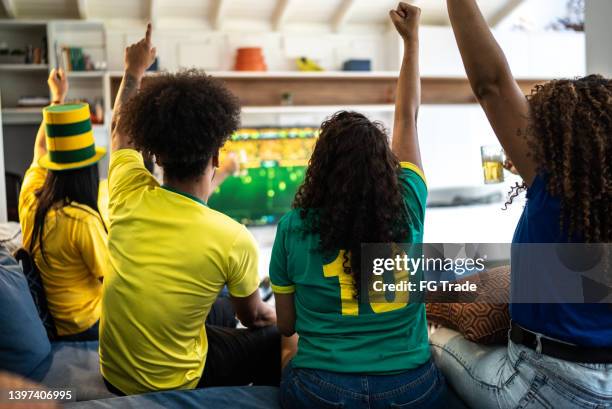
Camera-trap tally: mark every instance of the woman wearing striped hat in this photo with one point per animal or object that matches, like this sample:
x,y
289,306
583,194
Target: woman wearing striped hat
x,y
60,220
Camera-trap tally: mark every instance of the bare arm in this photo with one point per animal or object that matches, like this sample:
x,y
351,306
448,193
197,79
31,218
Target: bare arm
x,y
492,82
285,313
138,57
252,311
405,143
58,86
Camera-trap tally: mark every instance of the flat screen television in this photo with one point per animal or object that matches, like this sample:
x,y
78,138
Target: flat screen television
x,y
272,167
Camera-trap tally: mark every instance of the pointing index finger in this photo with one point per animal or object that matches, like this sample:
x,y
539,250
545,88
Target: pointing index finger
x,y
148,35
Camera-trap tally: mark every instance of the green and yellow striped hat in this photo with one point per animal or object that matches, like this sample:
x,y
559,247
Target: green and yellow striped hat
x,y
70,140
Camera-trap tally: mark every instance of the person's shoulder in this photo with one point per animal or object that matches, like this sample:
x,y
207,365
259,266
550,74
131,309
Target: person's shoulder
x,y
538,187
125,154
291,220
221,225
413,174
125,159
292,216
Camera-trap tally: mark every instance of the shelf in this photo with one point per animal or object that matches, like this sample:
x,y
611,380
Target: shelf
x,y
260,92
21,116
29,116
305,109
5,22
289,74
24,67
303,74
86,74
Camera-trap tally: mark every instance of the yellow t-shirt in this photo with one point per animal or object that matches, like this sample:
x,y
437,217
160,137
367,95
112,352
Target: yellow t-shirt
x,y
170,256
75,245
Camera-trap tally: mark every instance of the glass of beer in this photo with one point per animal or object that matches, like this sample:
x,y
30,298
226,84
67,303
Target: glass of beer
x,y
492,163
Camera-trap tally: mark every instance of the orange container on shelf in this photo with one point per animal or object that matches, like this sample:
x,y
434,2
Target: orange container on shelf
x,y
250,59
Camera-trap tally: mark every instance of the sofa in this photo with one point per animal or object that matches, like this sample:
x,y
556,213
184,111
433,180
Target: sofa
x,y
25,350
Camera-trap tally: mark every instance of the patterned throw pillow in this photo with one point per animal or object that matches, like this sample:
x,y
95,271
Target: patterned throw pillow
x,y
477,321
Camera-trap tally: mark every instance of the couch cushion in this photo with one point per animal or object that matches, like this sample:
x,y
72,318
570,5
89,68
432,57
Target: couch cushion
x,y
76,366
24,347
476,317
245,397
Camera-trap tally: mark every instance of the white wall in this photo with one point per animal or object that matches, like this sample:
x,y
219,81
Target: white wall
x,y
214,51
536,14
598,36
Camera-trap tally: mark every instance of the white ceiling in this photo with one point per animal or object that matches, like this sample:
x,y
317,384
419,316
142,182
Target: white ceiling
x,y
217,13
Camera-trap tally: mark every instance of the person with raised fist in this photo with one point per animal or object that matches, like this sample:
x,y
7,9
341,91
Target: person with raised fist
x,y
354,349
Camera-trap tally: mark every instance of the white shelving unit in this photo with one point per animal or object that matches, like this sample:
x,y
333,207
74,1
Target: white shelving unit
x,y
19,123
24,67
21,116
288,74
86,74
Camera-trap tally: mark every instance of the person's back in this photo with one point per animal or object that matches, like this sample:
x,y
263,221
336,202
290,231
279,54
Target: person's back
x,y
170,254
359,346
558,140
337,331
62,228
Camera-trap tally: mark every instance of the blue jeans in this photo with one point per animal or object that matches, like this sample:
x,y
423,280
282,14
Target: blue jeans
x,y
518,377
423,387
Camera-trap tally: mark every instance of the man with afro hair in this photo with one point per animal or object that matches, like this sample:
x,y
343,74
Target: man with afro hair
x,y
170,254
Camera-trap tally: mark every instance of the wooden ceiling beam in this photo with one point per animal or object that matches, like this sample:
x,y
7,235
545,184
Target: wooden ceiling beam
x,y
82,9
217,16
153,12
9,8
281,12
503,12
343,14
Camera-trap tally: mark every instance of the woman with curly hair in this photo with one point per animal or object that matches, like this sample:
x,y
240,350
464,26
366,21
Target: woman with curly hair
x,y
170,254
560,141
352,351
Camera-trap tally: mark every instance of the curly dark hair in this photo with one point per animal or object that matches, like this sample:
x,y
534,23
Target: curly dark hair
x,y
182,119
351,194
570,137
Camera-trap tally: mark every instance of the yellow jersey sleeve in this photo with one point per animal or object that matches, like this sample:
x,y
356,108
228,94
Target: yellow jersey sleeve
x,y
33,180
126,175
243,274
91,239
415,189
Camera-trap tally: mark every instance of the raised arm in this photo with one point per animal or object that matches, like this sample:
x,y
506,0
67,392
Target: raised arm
x,y
493,83
405,142
58,86
138,57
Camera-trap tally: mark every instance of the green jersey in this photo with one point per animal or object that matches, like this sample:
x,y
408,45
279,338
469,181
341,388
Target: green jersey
x,y
336,332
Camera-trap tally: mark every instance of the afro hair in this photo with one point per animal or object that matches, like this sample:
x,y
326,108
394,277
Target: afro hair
x,y
182,119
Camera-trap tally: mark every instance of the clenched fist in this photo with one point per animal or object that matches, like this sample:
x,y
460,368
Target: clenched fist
x,y
58,85
406,19
140,56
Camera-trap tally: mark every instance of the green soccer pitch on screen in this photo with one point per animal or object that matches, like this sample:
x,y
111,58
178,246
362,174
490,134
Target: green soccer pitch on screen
x,y
272,166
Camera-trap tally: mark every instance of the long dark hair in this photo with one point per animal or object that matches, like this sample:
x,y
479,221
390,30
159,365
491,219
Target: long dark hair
x,y
61,188
351,194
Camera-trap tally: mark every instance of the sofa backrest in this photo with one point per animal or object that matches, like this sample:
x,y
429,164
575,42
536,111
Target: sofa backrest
x,y
24,346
